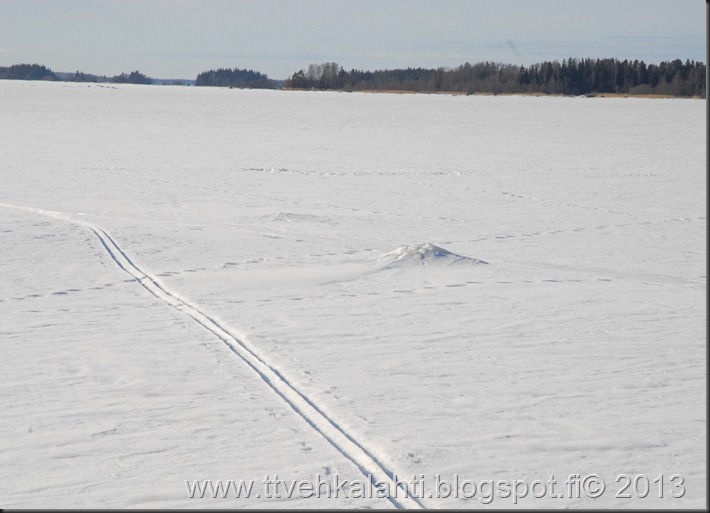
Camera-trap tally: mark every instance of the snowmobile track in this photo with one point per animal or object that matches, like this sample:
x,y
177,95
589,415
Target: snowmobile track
x,y
330,429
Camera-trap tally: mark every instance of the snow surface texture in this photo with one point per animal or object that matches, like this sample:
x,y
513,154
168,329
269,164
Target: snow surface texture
x,y
221,284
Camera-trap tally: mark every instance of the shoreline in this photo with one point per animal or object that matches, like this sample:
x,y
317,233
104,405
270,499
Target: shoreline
x,y
460,93
652,96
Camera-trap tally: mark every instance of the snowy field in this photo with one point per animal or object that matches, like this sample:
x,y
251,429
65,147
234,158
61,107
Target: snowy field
x,y
212,284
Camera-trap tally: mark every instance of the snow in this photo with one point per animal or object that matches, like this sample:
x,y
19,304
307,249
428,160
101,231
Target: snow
x,y
223,284
426,254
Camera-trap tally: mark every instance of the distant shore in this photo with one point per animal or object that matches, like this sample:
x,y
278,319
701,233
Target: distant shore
x,y
580,78
459,93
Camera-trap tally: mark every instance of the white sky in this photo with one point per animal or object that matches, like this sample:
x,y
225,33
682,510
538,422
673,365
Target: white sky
x,y
180,38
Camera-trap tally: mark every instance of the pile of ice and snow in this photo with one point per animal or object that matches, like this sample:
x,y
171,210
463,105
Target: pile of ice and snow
x,y
425,254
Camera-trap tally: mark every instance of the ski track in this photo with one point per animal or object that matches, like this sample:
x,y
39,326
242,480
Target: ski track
x,y
334,432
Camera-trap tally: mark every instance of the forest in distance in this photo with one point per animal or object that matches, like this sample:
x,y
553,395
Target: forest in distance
x,y
572,77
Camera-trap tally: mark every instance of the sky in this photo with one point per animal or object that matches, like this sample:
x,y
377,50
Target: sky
x,y
181,38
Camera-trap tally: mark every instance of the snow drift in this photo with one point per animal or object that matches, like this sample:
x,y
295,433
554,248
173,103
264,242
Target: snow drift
x,y
425,254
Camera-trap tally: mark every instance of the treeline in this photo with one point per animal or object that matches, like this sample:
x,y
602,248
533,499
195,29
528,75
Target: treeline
x,y
134,77
242,78
570,77
26,72
38,72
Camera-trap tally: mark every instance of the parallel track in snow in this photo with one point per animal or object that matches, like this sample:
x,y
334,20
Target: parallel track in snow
x,y
307,408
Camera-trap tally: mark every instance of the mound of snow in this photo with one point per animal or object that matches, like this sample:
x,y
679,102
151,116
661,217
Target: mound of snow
x,y
426,254
291,216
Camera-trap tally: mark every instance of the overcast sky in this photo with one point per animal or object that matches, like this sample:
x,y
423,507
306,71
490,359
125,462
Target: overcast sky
x,y
180,38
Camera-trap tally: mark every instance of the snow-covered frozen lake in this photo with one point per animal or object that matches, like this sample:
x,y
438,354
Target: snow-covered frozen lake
x,y
202,283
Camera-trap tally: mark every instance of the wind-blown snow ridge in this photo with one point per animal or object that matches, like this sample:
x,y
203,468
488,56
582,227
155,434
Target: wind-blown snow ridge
x,y
426,254
338,435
